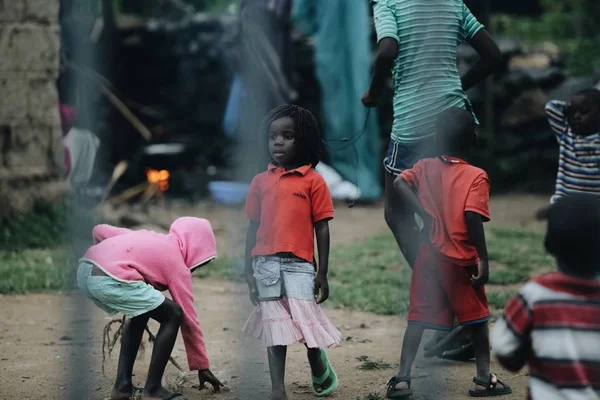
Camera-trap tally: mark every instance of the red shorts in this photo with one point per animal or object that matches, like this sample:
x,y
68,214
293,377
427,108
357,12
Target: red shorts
x,y
441,290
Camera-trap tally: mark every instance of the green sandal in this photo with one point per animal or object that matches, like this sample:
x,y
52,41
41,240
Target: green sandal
x,y
329,373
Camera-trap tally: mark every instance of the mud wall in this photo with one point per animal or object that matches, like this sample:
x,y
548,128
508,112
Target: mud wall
x,y
30,135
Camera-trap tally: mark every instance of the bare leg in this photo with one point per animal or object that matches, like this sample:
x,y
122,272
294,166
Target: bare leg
x,y
481,346
169,314
410,348
317,367
277,356
401,222
130,344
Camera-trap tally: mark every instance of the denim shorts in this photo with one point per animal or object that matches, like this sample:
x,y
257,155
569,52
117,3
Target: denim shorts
x,y
404,155
130,298
280,276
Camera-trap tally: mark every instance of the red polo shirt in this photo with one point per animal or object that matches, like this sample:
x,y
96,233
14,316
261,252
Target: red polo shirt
x,y
447,187
287,204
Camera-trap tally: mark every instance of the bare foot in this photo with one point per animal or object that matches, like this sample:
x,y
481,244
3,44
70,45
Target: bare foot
x,y
122,392
319,370
162,394
279,396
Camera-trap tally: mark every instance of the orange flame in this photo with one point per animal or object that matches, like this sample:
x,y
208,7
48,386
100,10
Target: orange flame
x,y
159,178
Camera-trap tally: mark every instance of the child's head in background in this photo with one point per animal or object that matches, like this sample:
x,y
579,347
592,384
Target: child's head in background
x,y
293,136
455,132
584,112
573,235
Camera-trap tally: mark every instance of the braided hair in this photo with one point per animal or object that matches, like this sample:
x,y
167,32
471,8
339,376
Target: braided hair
x,y
306,128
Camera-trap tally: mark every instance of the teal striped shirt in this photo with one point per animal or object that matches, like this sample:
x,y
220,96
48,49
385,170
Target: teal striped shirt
x,y
426,78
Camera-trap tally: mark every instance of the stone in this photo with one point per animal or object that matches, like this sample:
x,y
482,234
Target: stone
x,y
42,102
12,10
13,101
524,61
550,49
42,11
527,107
29,47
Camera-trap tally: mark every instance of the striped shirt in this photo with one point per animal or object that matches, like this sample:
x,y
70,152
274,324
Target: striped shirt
x,y
579,159
555,318
425,73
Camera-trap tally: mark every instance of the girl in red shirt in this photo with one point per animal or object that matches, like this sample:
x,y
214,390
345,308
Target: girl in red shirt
x,y
286,206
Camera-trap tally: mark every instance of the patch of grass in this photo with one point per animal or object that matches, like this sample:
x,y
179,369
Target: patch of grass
x,y
515,255
369,275
35,270
372,276
369,364
224,267
498,299
45,226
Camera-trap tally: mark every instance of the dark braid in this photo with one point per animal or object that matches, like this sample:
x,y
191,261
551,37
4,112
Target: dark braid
x,y
306,128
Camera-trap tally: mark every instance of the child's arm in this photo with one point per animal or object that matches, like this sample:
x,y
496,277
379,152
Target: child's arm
x,y
476,213
558,115
409,197
510,335
248,272
387,51
105,231
323,244
490,56
182,293
490,59
474,222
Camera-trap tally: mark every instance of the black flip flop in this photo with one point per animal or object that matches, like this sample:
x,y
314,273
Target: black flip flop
x,y
446,342
463,353
490,388
393,393
174,396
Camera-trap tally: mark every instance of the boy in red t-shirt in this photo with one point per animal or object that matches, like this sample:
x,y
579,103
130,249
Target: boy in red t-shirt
x,y
451,197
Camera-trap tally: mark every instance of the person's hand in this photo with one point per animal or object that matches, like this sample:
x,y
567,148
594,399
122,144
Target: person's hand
x,y
321,288
483,273
205,376
369,100
252,289
427,225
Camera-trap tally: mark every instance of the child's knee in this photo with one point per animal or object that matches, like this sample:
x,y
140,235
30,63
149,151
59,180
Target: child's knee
x,y
176,313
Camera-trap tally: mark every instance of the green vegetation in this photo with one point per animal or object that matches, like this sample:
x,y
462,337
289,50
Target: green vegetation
x,y
368,364
571,24
371,275
45,226
35,270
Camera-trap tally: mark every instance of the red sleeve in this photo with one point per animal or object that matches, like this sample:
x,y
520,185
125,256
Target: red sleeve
x,y
105,231
253,202
181,290
518,316
478,198
321,202
411,176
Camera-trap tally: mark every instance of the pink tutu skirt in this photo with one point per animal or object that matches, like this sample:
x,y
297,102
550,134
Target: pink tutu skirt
x,y
288,321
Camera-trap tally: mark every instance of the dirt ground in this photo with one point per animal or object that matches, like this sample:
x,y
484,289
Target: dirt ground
x,y
44,343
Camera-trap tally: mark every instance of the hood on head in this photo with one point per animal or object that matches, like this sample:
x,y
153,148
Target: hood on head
x,y
196,240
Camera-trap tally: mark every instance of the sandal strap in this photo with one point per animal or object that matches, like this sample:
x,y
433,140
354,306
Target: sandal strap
x,y
396,380
490,384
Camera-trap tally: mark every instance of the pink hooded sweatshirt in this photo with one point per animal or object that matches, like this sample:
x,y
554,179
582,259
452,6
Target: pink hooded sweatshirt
x,y
163,261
